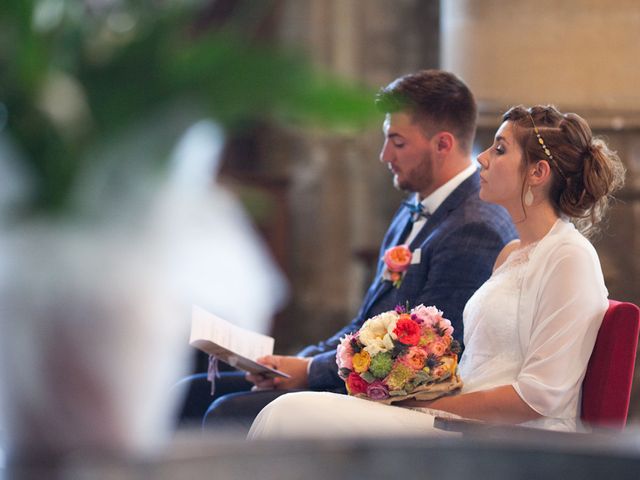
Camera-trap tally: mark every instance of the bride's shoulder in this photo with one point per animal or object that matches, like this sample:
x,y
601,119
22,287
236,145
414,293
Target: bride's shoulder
x,y
506,251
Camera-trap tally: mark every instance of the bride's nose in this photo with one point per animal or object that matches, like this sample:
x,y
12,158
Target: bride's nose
x,y
482,160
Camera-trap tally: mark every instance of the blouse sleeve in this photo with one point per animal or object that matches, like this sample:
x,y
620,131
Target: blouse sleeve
x,y
568,311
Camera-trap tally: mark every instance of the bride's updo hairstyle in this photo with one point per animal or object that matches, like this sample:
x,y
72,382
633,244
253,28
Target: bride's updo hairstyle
x,y
585,172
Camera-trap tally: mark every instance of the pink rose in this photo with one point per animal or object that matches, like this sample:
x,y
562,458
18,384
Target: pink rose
x,y
445,326
344,353
429,315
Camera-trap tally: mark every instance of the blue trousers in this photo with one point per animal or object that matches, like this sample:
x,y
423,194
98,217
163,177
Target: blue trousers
x,y
233,405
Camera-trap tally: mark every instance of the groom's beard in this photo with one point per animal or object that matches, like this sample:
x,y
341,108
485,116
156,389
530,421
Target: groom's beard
x,y
417,179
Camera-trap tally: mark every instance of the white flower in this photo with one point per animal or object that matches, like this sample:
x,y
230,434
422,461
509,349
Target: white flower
x,y
377,334
380,345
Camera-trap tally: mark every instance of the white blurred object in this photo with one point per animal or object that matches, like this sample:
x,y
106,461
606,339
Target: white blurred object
x,y
221,264
91,340
94,317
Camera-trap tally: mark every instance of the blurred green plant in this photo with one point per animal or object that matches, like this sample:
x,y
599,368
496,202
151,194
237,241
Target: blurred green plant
x,y
76,73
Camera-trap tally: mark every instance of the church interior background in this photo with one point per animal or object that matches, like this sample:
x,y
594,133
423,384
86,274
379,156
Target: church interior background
x,y
321,198
94,95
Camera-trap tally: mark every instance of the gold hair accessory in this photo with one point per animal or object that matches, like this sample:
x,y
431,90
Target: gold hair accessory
x,y
545,148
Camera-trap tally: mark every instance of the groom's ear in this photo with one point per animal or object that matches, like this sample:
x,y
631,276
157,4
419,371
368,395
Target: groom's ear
x,y
444,142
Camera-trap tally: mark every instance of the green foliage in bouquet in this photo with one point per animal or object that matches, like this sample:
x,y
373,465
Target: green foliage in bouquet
x,y
381,364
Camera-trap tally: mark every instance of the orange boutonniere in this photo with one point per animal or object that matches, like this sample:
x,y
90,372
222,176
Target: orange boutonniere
x,y
397,260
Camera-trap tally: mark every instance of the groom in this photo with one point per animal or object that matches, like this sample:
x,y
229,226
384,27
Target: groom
x,y
455,237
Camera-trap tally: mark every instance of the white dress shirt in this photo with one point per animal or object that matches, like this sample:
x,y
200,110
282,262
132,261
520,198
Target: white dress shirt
x,y
433,201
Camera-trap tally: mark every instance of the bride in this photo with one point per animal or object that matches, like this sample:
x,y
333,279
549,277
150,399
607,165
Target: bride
x,y
530,329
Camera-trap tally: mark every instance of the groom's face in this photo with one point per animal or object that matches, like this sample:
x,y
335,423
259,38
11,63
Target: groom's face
x,y
407,151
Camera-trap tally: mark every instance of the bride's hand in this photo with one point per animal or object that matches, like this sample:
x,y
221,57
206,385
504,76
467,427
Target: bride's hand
x,y
294,366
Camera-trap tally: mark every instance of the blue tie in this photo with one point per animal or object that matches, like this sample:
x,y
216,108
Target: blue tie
x,y
417,210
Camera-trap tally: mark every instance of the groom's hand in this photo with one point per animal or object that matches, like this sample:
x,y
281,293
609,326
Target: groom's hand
x,y
294,366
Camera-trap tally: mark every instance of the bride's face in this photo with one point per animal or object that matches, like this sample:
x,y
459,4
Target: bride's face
x,y
502,175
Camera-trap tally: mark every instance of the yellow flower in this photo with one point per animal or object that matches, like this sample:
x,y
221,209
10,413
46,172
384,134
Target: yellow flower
x,y
361,361
451,363
398,377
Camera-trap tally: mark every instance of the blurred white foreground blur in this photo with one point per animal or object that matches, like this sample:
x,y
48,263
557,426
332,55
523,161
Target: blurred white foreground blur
x,y
95,310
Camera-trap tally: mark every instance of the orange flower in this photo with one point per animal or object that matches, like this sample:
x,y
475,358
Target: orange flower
x,y
397,258
437,347
416,358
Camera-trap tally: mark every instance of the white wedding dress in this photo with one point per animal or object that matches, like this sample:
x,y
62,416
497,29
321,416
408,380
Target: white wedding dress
x,y
532,325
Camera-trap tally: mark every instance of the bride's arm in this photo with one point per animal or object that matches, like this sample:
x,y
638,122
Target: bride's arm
x,y
501,405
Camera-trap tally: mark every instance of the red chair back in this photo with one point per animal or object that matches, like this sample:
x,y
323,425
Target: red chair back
x,y
606,389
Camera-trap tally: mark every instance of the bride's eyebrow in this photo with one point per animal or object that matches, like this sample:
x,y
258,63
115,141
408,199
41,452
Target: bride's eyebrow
x,y
500,138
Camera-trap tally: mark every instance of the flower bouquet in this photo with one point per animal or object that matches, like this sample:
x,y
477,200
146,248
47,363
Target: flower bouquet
x,y
401,354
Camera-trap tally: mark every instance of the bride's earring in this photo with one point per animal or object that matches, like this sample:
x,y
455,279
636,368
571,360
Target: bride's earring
x,y
528,197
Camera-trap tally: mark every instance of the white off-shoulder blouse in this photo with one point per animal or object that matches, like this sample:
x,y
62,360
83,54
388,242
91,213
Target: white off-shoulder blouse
x,y
534,323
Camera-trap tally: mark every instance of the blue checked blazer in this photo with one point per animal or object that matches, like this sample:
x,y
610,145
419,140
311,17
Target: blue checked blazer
x,y
459,245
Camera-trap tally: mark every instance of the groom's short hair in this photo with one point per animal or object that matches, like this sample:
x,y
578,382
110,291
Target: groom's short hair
x,y
437,99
